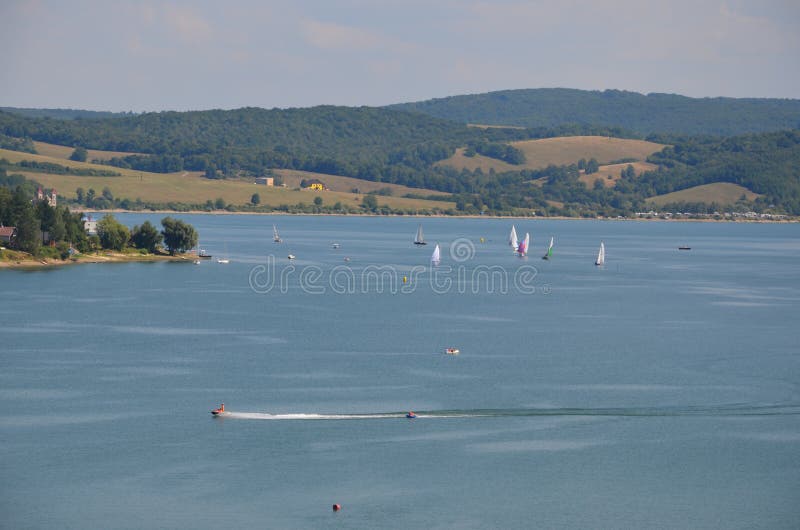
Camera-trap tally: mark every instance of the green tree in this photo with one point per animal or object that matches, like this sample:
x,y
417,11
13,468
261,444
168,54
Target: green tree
x,y
107,195
219,204
178,236
318,201
79,154
29,236
369,203
80,194
255,199
146,236
113,234
90,196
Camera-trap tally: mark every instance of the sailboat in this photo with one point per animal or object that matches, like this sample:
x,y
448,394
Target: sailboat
x,y
275,237
522,250
549,252
512,239
601,255
436,256
420,239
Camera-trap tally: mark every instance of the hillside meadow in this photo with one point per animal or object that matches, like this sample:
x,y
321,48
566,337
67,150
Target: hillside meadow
x,y
560,151
724,193
191,187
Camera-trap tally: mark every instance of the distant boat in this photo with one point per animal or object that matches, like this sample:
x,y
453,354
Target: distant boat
x,y
420,238
601,255
452,351
549,253
684,248
436,257
276,238
512,239
335,246
291,256
522,250
411,415
197,262
202,254
225,259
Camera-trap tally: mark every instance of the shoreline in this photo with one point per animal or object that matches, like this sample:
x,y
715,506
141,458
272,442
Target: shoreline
x,y
28,262
470,216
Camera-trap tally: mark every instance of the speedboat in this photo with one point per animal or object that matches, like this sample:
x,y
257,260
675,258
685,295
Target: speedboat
x,y
411,415
335,245
218,411
223,260
452,351
291,256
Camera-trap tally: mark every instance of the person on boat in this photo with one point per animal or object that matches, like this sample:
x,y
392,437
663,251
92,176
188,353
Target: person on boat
x,y
411,414
221,407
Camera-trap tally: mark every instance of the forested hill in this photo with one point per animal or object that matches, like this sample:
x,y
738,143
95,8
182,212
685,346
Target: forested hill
x,y
342,133
63,114
646,114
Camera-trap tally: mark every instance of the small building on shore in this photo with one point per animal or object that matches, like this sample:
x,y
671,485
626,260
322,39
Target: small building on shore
x,y
90,226
8,234
265,181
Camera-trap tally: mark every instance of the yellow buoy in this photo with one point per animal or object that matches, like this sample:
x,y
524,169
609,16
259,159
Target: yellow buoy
x,y
405,279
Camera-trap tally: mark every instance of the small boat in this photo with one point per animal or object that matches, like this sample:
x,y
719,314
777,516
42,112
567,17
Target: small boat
x,y
601,255
291,256
202,254
522,249
420,238
512,238
684,248
436,257
335,245
452,351
347,258
197,262
218,411
276,238
225,259
549,252
411,415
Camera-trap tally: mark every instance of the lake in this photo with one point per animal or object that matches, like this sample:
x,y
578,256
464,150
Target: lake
x,y
658,391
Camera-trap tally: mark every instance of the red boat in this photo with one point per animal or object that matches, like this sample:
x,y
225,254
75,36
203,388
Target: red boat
x,y
411,415
220,410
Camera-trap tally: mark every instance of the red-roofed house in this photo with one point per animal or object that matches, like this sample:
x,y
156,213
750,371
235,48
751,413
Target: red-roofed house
x,y
7,234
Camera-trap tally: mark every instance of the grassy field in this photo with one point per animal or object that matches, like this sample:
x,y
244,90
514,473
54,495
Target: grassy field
x,y
720,192
193,188
609,174
63,152
560,151
293,177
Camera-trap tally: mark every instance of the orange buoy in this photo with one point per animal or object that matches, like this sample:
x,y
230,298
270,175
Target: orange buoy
x,y
337,507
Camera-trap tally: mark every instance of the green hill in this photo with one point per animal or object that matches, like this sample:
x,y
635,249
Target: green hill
x,y
646,114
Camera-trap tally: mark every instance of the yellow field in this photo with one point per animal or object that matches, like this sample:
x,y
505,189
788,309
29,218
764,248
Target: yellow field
x,y
609,174
720,192
193,188
560,151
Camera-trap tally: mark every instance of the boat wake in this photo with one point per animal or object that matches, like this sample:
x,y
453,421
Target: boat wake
x,y
712,410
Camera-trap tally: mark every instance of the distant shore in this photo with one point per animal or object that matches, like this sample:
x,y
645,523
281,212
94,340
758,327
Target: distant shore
x,y
470,216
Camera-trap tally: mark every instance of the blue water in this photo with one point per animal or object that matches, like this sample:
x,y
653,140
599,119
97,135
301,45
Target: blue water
x,y
659,391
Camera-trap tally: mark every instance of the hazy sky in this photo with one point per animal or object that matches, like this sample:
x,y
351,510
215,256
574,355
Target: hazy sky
x,y
152,55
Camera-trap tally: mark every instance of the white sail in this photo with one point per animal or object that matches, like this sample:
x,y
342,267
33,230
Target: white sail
x,y
275,237
549,252
522,250
436,256
420,239
601,255
512,239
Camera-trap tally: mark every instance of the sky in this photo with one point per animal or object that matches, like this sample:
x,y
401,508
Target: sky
x,y
191,55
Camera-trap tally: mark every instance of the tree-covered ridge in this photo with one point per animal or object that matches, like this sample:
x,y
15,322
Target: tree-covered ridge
x,y
645,114
63,114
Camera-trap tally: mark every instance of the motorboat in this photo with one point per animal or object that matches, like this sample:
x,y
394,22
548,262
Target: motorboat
x,y
411,415
452,351
218,411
